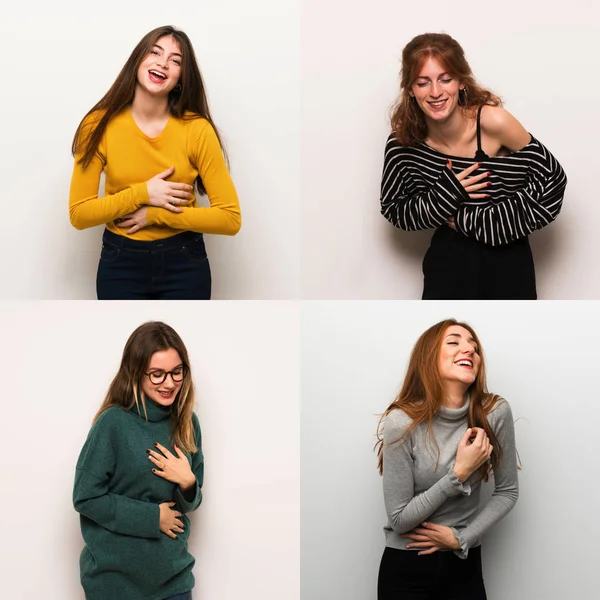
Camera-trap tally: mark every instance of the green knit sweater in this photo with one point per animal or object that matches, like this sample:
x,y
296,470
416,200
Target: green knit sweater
x,y
126,556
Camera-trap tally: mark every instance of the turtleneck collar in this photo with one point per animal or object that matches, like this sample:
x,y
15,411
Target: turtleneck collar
x,y
155,411
454,414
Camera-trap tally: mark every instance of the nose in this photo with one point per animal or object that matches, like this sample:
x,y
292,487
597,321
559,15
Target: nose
x,y
435,89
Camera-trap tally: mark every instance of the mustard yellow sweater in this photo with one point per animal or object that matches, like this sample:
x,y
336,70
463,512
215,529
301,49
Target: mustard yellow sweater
x,y
129,158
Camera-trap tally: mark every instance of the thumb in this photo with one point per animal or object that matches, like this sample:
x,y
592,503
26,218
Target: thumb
x,y
172,504
465,438
166,173
449,164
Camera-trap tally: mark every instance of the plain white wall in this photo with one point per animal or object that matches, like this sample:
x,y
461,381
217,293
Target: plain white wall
x,y
63,60
58,359
540,57
542,357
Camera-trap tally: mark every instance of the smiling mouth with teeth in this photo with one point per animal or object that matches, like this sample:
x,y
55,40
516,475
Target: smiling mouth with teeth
x,y
464,363
157,74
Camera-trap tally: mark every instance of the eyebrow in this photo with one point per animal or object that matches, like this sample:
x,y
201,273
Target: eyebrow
x,y
471,339
159,369
172,53
440,75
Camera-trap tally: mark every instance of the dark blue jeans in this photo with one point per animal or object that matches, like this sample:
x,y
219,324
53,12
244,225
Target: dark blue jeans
x,y
186,596
175,268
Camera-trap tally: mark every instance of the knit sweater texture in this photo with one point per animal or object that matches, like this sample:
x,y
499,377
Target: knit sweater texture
x,y
129,158
416,490
126,556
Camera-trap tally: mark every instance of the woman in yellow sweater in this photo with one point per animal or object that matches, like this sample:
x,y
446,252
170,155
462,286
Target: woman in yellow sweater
x,y
154,138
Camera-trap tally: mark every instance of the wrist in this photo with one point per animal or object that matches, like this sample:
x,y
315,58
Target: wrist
x,y
187,484
461,474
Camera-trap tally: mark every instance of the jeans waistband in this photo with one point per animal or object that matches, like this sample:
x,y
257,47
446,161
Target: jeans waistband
x,y
175,241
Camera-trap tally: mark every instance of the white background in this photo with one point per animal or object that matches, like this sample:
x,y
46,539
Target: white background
x,y
542,357
58,359
62,58
540,57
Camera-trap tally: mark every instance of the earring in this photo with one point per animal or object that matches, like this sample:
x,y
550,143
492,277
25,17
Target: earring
x,y
177,88
462,96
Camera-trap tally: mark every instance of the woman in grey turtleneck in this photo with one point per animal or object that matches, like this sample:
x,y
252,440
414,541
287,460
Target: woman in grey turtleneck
x,y
442,436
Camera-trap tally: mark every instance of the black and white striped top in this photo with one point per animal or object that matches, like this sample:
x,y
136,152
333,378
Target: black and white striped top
x,y
418,191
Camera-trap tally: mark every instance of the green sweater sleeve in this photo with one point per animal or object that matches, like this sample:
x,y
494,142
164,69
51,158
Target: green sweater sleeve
x,y
91,495
192,499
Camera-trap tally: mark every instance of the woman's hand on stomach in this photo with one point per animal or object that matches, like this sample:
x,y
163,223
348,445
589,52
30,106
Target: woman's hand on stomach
x,y
168,194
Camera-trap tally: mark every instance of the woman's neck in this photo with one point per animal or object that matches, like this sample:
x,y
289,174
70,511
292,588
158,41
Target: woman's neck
x,y
148,107
448,133
456,394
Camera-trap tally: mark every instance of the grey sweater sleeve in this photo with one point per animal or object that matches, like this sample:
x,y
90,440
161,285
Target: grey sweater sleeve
x,y
506,485
405,510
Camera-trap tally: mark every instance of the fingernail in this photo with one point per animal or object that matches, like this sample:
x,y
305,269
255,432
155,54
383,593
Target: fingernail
x,y
147,451
154,470
156,443
478,164
489,183
407,545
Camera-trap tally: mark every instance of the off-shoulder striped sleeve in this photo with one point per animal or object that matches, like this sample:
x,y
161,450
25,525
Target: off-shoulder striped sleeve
x,y
415,193
516,213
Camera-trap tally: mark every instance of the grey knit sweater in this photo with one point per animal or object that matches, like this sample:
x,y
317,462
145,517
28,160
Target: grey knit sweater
x,y
415,491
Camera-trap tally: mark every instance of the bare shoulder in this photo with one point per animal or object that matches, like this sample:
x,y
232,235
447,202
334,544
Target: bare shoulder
x,y
499,124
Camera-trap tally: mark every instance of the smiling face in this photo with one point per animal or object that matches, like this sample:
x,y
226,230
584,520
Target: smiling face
x,y
162,362
435,90
458,358
159,72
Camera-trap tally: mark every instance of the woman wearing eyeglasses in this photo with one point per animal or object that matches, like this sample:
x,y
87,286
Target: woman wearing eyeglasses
x,y
139,472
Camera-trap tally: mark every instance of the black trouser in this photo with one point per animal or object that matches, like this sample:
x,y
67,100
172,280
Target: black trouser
x,y
404,575
456,267
175,268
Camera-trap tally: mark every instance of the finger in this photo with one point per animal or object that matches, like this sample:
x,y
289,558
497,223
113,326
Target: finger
x,y
177,529
179,452
477,178
181,186
430,551
166,173
126,222
449,164
478,196
157,462
134,229
474,187
171,534
465,438
433,526
178,523
159,473
466,172
418,538
167,453
426,544
172,208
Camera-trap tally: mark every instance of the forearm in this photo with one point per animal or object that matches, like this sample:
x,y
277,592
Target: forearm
x,y
91,211
422,210
406,515
115,512
223,219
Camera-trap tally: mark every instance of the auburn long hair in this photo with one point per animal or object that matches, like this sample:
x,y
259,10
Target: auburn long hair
x,y
187,100
422,393
125,390
407,119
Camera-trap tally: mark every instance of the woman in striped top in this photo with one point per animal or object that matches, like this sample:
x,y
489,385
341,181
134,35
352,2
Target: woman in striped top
x,y
457,161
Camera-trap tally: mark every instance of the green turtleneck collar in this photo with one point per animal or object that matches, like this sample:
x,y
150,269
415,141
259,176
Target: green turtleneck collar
x,y
155,411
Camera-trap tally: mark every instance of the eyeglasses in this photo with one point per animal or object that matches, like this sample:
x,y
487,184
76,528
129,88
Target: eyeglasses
x,y
177,375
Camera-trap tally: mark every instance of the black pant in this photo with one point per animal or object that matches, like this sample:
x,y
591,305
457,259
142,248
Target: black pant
x,y
456,267
175,268
403,575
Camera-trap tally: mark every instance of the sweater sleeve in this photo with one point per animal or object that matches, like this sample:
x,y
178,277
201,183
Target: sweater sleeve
x,y
91,495
405,510
86,209
506,485
192,499
533,206
412,207
223,216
